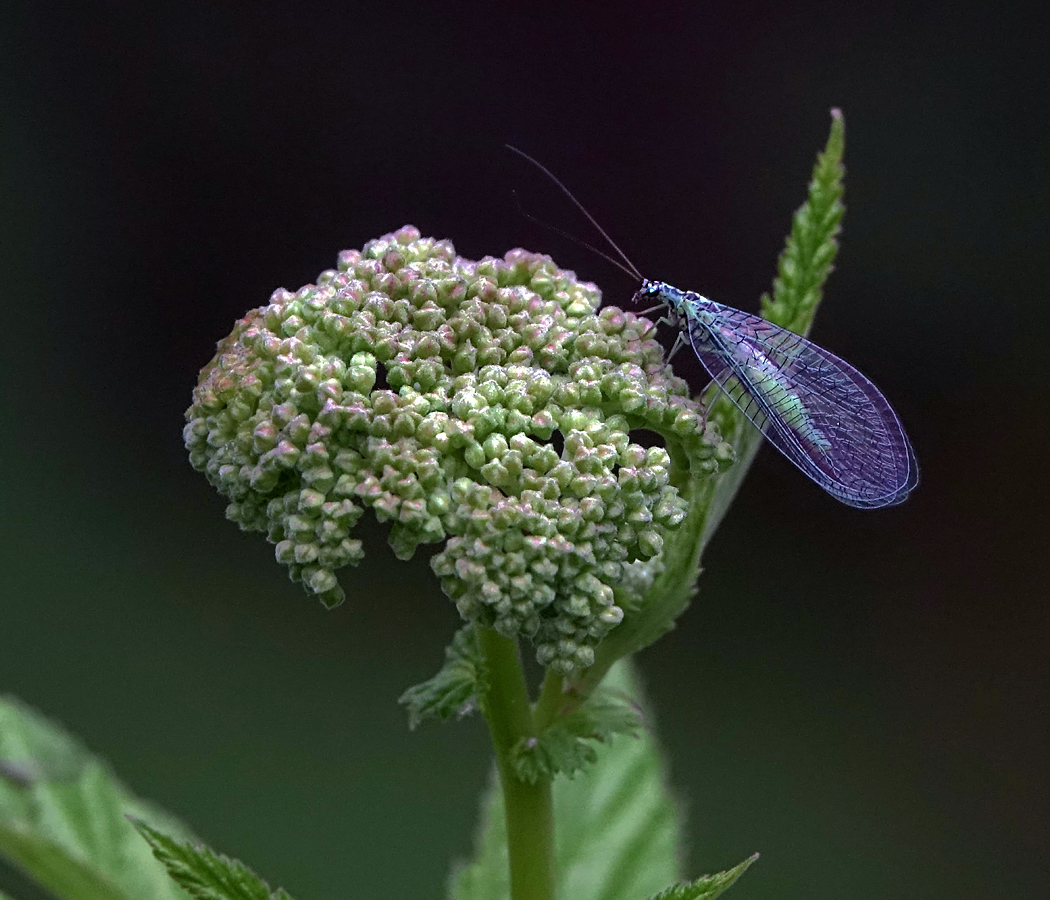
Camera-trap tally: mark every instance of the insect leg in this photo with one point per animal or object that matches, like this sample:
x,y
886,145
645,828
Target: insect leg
x,y
710,405
679,343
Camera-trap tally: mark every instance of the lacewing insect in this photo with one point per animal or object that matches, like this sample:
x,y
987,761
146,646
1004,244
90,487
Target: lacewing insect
x,y
816,409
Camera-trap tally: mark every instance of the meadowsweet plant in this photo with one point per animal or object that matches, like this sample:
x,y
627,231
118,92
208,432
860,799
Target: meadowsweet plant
x,y
493,413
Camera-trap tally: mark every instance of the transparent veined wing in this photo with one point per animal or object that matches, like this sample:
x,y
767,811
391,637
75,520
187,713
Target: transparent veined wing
x,y
820,412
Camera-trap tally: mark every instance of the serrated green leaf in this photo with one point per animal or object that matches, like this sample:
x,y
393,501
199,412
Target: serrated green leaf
x,y
569,745
454,691
803,268
811,247
617,830
605,714
62,816
205,874
707,887
556,751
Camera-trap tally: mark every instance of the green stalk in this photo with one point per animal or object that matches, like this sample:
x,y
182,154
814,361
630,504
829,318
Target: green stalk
x,y
529,807
551,702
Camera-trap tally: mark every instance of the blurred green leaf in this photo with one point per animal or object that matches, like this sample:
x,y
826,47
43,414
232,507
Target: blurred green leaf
x,y
617,831
207,875
569,745
62,816
453,691
706,887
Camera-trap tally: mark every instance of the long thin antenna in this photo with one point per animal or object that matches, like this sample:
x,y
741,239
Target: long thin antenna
x,y
612,260
630,265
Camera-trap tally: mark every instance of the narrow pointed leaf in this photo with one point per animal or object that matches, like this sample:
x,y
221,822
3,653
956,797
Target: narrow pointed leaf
x,y
802,270
205,874
708,886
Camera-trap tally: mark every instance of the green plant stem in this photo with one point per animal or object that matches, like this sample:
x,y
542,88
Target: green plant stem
x,y
529,807
551,701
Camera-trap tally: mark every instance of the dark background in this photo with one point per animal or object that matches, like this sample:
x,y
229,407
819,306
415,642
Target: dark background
x,y
861,696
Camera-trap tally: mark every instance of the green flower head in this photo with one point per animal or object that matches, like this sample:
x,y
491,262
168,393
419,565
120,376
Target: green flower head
x,y
484,405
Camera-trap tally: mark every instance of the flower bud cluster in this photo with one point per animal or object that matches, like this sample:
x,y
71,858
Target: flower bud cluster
x,y
487,405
